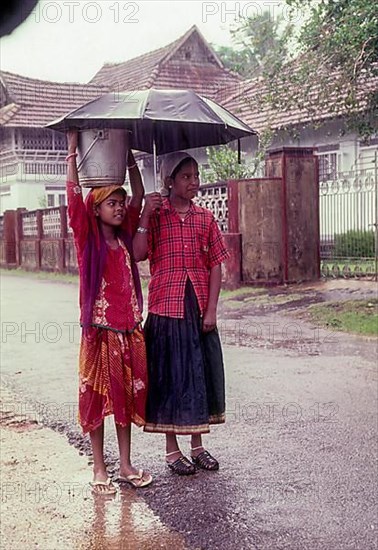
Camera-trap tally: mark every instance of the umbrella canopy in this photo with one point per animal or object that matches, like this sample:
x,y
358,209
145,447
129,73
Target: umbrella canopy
x,y
160,121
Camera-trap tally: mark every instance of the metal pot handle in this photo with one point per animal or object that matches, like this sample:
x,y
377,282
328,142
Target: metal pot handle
x,y
87,151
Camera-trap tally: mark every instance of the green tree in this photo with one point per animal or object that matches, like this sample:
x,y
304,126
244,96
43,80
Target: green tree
x,y
336,63
235,60
224,165
258,40
343,33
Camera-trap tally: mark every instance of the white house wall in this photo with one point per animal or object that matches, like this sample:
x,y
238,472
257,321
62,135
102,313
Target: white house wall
x,y
332,133
30,193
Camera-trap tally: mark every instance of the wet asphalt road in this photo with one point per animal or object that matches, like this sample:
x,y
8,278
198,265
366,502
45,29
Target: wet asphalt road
x,y
298,451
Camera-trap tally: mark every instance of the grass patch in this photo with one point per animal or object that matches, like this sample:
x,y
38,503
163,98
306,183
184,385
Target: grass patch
x,y
277,299
260,297
354,316
241,293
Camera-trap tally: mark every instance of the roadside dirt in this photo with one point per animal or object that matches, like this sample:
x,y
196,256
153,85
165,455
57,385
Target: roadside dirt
x,y
277,318
257,301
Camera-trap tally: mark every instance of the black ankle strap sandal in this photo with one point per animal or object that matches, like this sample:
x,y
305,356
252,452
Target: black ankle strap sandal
x,y
205,461
182,466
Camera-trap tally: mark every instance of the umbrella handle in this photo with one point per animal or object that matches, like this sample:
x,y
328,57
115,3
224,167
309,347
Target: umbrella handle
x,y
155,162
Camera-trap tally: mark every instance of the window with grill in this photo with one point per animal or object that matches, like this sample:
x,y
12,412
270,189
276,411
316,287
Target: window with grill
x,y
62,200
60,142
44,168
35,139
50,200
328,166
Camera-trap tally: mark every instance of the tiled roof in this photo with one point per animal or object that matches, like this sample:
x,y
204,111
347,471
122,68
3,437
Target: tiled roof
x,y
29,102
205,81
7,112
173,66
135,74
246,100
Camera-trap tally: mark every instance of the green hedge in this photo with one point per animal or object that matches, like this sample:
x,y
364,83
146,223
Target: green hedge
x,y
355,244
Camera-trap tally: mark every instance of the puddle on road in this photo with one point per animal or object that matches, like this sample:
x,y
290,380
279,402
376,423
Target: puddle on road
x,y
47,502
125,521
46,499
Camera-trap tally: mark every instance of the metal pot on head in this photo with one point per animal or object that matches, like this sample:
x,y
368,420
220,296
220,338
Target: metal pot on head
x,y
102,157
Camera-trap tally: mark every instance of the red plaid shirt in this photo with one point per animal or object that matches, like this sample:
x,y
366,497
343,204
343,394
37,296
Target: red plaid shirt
x,y
180,249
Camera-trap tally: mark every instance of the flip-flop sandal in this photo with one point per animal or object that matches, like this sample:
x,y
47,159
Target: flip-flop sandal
x,y
182,466
205,461
105,488
133,479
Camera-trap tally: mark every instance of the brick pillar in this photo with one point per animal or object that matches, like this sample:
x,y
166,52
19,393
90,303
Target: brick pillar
x,y
298,168
259,218
233,266
9,238
19,234
233,205
63,237
38,246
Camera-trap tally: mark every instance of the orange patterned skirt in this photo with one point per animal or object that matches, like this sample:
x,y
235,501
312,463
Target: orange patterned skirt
x,y
113,377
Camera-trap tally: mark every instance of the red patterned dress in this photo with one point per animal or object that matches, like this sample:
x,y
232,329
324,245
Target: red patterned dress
x,y
112,365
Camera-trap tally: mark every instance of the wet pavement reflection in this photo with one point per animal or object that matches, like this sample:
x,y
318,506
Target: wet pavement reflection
x,y
47,501
124,521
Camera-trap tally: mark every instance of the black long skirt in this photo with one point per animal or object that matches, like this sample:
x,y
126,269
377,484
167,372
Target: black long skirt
x,y
185,373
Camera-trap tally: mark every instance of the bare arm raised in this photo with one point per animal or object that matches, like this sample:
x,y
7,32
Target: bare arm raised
x,y
136,183
76,209
72,139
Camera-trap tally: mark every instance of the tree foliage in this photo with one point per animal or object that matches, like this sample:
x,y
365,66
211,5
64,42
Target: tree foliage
x,y
343,33
224,165
336,64
259,40
237,61
327,67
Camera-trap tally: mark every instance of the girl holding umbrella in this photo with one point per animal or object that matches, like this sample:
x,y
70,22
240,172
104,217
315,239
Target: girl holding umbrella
x,y
185,249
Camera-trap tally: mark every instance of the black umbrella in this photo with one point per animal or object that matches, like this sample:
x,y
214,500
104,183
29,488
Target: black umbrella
x,y
160,121
170,119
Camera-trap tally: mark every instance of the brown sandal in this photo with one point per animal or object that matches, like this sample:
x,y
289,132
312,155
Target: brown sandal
x,y
205,461
105,488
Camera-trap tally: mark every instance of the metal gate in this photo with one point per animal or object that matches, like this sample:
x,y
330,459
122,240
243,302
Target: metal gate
x,y
348,221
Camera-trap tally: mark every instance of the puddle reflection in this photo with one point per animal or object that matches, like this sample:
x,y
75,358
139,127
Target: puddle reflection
x,y
125,522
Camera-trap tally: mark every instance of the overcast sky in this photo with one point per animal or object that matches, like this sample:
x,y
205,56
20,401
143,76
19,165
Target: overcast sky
x,y
69,40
